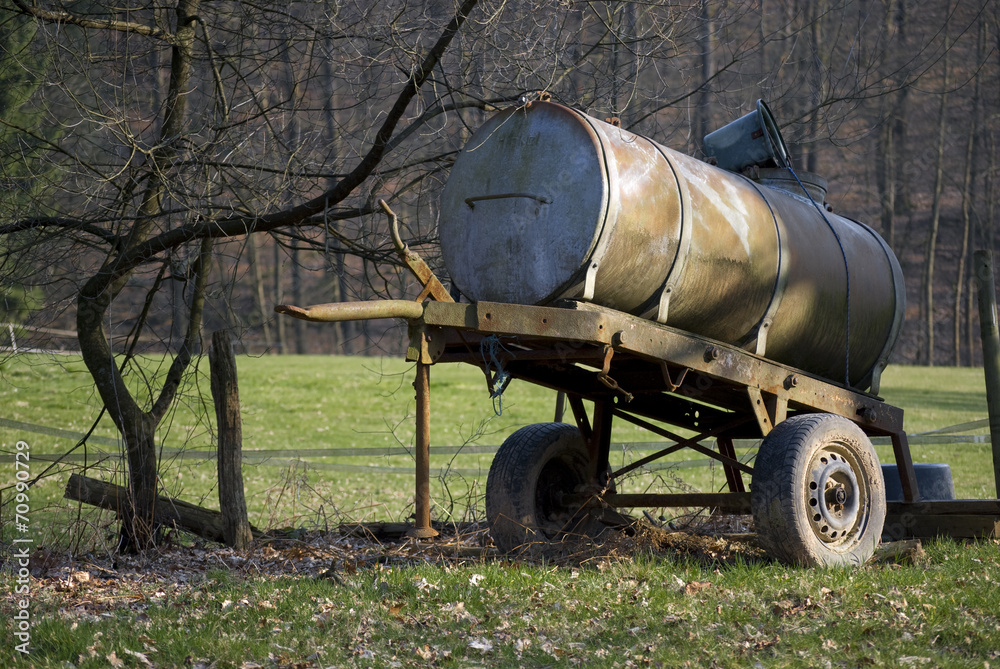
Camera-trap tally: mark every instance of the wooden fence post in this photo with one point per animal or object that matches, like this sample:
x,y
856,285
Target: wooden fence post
x,y
226,396
991,349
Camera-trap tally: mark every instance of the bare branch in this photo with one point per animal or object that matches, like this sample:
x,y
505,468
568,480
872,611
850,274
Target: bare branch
x,y
66,18
64,223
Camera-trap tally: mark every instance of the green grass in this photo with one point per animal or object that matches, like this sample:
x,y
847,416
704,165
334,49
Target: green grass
x,y
937,397
640,608
310,402
648,610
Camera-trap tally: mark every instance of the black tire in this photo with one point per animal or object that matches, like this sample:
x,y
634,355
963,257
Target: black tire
x,y
817,495
531,472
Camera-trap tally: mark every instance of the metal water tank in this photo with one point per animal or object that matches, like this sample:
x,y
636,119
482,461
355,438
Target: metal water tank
x,y
545,202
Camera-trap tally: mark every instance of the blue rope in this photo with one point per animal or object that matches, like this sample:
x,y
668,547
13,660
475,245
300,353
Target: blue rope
x,y
847,273
489,347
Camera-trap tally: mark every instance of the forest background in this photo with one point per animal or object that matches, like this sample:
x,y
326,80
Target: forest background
x,y
175,168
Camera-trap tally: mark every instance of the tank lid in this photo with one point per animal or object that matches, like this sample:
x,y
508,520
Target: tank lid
x,y
752,140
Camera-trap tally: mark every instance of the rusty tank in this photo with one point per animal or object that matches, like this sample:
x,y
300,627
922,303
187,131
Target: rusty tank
x,y
546,203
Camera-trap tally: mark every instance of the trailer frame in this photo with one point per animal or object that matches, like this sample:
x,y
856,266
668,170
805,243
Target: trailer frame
x,y
638,370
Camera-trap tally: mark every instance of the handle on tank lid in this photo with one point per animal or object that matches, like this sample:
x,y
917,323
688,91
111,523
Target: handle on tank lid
x,y
472,200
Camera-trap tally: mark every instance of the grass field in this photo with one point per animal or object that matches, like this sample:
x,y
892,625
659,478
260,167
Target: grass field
x,y
647,610
330,402
644,605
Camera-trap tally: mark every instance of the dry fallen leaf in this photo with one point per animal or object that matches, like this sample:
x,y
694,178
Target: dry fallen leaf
x,y
696,586
139,656
481,644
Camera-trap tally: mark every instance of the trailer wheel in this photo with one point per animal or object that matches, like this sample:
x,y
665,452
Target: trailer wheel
x,y
817,495
532,472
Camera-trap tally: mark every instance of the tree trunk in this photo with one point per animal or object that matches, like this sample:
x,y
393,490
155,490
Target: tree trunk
x,y
969,199
279,298
900,110
886,182
334,262
706,49
205,523
964,251
226,396
298,298
936,206
258,284
892,133
138,427
816,9
622,60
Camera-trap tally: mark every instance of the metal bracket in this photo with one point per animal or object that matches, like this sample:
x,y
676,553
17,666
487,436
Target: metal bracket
x,y
770,409
426,344
664,305
590,282
610,207
671,384
876,378
762,337
781,284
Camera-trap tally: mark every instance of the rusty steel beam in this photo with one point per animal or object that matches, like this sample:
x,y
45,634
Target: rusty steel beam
x,y
580,416
691,443
904,464
418,266
422,494
946,507
730,502
590,355
354,311
733,477
589,324
599,444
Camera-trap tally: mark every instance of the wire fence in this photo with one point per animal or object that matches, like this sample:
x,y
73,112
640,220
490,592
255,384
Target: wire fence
x,y
284,458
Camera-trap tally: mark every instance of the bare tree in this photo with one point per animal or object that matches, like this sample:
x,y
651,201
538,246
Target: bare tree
x,y
178,181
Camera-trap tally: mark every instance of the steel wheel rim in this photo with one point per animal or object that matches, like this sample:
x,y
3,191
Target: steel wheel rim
x,y
837,496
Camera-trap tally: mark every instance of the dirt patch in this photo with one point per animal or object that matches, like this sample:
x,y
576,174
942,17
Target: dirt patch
x,y
97,583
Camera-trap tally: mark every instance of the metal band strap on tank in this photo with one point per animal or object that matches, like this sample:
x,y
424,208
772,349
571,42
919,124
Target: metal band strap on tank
x,y
780,282
603,236
847,274
662,304
897,320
